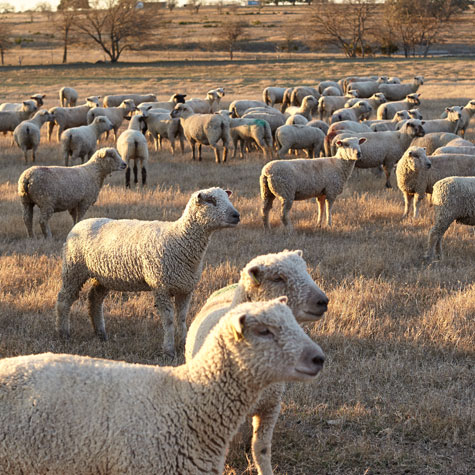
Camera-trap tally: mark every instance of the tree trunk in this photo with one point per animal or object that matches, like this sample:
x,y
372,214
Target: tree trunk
x,y
65,51
2,54
231,53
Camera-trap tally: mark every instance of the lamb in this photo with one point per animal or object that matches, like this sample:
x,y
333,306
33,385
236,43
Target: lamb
x,y
256,130
355,112
263,278
323,178
168,106
115,114
116,101
299,137
68,117
373,102
9,120
163,257
118,417
273,95
28,133
239,108
397,92
73,189
433,141
16,106
81,142
68,97
386,148
204,129
327,105
417,174
132,145
454,200
450,124
367,88
308,106
388,110
162,126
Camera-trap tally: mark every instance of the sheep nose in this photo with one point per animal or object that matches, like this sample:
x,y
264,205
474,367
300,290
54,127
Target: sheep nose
x,y
236,216
429,165
318,360
358,155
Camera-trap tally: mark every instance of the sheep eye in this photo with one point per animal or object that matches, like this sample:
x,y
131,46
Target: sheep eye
x,y
278,278
265,332
211,200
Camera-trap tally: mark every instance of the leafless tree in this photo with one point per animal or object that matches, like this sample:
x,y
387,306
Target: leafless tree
x,y
229,33
4,40
6,7
194,5
171,4
64,22
116,25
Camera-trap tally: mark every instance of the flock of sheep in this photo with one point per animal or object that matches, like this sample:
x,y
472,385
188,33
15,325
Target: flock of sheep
x,y
72,414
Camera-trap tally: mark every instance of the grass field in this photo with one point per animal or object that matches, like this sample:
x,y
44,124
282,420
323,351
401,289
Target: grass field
x,y
397,392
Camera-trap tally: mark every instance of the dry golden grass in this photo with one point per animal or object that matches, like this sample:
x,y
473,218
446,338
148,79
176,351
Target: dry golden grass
x,y
396,393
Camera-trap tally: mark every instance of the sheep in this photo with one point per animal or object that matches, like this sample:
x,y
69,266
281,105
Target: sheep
x,y
386,148
394,80
296,119
256,130
322,178
299,137
286,99
459,142
206,129
162,126
163,257
115,114
319,124
326,84
433,141
327,105
300,92
307,107
68,117
274,120
388,110
28,133
454,200
373,102
116,101
9,120
355,112
208,105
331,91
168,106
384,125
132,145
467,113
68,97
417,174
81,142
73,189
397,92
450,124
103,416
16,106
341,127
239,108
460,150
345,82
273,95
263,278
367,88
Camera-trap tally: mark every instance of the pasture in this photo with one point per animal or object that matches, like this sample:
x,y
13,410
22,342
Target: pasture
x,y
397,391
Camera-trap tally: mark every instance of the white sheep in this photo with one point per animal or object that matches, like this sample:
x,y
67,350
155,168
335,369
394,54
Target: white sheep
x,y
116,100
162,126
168,105
373,102
68,117
286,99
16,106
387,110
296,119
327,105
299,137
417,174
366,89
307,107
386,148
81,142
239,107
132,145
274,120
457,150
355,113
263,278
73,414
397,92
319,124
68,97
204,129
450,124
384,125
345,82
454,200
9,120
331,91
163,257
300,92
251,130
459,142
27,134
326,84
73,189
467,112
273,95
208,105
433,141
322,178
115,114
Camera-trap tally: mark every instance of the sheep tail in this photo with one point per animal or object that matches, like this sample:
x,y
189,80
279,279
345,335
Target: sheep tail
x,y
265,190
23,185
65,147
266,97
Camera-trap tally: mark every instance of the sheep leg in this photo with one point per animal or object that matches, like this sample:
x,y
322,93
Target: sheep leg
x,y
387,172
320,203
286,205
264,420
95,299
435,236
328,208
199,152
267,198
136,179
193,153
127,177
28,217
144,175
217,154
182,144
417,203
74,214
182,304
164,307
283,152
50,130
407,204
45,215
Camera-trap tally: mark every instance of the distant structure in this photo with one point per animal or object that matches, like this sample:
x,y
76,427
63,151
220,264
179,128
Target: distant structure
x,y
73,5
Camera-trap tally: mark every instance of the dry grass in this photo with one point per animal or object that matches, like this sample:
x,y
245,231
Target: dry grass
x,y
396,395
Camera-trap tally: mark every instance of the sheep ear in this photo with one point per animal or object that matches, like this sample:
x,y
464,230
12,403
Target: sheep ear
x,y
423,122
228,192
254,273
282,299
362,140
237,324
339,143
299,252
